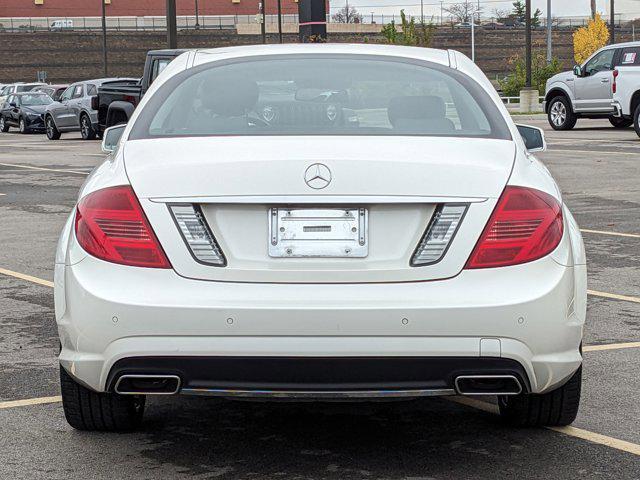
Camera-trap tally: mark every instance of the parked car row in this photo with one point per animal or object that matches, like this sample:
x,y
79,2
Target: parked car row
x,y
51,109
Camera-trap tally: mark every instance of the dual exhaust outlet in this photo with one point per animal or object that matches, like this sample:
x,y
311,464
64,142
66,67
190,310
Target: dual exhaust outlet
x,y
464,385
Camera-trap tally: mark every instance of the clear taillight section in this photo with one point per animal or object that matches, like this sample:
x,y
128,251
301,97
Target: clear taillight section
x,y
197,236
525,225
442,228
111,225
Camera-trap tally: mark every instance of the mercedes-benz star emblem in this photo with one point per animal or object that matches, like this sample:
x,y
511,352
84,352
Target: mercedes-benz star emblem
x,y
317,176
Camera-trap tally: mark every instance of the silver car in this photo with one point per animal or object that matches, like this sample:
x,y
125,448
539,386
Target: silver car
x,y
73,111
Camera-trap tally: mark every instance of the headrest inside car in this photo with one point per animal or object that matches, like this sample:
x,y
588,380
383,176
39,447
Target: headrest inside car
x,y
416,108
229,97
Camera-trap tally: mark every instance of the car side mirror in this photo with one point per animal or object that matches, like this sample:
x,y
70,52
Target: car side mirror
x,y
111,138
577,71
533,138
13,104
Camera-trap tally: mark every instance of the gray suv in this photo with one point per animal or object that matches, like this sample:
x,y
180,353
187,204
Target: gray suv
x,y
73,112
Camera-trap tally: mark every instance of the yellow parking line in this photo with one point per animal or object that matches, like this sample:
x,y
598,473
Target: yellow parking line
x,y
29,167
29,401
610,346
28,278
598,438
617,234
571,431
614,296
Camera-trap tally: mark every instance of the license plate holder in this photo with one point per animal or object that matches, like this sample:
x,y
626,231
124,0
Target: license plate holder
x,y
318,232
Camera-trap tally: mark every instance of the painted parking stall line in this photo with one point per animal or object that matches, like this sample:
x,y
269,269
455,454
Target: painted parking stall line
x,y
30,401
615,234
31,167
592,437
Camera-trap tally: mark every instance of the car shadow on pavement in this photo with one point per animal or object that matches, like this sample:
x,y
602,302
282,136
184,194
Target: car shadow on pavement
x,y
431,438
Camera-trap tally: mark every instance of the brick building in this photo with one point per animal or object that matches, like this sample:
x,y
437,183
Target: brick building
x,y
136,8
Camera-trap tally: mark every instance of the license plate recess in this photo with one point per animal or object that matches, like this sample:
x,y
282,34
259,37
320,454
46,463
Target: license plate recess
x,y
318,232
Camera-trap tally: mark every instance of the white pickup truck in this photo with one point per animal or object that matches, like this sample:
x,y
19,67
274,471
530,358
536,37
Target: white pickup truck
x,y
596,89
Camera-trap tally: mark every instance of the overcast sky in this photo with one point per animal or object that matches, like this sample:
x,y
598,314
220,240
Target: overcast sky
x,y
628,8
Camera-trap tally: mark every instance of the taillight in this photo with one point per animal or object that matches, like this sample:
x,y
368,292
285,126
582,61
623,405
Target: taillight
x,y
525,225
614,86
111,225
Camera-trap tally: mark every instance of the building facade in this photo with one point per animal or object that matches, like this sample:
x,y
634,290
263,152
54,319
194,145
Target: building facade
x,y
137,8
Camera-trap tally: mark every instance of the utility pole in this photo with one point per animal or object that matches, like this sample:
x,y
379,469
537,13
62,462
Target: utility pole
x,y
422,12
172,25
197,16
549,49
441,12
313,21
280,21
528,43
613,22
104,38
263,26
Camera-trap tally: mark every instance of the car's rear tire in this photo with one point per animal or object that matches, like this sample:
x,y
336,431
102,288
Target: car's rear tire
x,y
52,131
556,408
560,114
619,122
85,409
636,120
86,129
22,126
3,125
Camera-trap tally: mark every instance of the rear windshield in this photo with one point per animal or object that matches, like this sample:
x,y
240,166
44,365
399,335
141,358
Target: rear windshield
x,y
320,95
36,99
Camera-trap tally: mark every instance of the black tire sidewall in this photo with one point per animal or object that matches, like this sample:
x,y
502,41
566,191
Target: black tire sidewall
x,y
636,120
619,122
56,134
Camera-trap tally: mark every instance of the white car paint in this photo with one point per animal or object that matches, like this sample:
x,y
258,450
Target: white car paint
x,y
533,313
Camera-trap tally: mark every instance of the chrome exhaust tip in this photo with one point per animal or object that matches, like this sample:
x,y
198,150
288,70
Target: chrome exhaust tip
x,y
147,385
488,385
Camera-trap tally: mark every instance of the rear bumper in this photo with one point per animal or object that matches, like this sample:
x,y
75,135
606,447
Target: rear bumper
x,y
532,314
617,109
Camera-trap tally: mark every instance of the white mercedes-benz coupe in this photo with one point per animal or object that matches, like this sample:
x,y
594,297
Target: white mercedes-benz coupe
x,y
320,222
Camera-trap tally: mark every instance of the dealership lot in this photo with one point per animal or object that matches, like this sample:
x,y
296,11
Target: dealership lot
x,y
598,169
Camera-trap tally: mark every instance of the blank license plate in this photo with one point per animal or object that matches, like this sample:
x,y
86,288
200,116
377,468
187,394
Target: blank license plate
x,y
318,232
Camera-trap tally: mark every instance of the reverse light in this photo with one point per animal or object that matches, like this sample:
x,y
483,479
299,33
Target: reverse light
x,y
197,236
443,227
111,225
525,225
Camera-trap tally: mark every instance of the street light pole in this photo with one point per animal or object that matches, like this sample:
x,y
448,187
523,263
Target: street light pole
x,y
549,50
528,43
263,26
613,21
280,21
172,25
104,38
422,12
197,16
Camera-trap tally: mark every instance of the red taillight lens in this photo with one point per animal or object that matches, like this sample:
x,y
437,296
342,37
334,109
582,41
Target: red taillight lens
x,y
111,225
525,225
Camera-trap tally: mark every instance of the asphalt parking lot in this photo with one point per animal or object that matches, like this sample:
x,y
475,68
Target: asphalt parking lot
x,y
598,168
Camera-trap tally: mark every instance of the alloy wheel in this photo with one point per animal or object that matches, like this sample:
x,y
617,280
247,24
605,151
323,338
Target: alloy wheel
x,y
23,127
50,132
558,114
1,124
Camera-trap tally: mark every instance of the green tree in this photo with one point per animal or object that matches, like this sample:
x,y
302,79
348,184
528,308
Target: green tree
x,y
519,10
412,34
540,73
535,20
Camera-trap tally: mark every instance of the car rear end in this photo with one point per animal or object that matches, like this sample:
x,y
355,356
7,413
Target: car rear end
x,y
368,260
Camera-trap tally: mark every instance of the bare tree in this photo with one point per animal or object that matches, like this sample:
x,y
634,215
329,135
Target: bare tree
x,y
347,14
500,13
463,11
